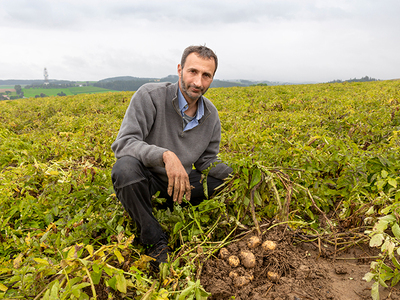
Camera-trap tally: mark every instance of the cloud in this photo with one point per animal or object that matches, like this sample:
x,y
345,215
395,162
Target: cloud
x,y
273,40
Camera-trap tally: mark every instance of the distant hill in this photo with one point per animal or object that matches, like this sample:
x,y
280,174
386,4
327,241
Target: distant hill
x,y
129,83
30,81
21,81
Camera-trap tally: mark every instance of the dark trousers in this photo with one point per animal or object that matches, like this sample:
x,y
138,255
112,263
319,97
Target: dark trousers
x,y
134,186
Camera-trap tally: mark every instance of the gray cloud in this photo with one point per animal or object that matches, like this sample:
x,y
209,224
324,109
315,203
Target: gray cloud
x,y
288,40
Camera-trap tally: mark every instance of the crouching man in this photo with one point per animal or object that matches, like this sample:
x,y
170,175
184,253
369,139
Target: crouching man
x,y
168,128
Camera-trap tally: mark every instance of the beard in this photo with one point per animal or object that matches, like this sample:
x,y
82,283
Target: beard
x,y
186,89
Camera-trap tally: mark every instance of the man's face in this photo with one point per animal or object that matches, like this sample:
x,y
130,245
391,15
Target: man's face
x,y
196,76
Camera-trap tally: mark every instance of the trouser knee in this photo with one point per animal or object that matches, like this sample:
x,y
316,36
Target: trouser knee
x,y
128,170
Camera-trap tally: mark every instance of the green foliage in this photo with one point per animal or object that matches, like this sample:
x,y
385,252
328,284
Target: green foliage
x,y
297,152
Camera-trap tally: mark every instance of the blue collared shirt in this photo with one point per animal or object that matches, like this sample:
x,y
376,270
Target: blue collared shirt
x,y
183,106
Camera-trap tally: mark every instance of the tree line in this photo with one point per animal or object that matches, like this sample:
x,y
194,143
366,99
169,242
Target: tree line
x,y
362,79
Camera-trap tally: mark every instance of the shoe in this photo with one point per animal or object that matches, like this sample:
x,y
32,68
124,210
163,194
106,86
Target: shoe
x,y
159,252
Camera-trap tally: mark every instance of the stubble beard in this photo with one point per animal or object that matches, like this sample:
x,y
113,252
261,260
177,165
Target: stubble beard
x,y
186,90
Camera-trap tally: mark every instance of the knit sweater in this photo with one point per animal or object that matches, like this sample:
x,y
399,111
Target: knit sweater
x,y
153,124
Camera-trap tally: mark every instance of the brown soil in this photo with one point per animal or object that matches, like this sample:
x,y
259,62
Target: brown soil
x,y
5,90
303,273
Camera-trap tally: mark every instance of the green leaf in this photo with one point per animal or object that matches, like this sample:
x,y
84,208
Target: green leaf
x,y
96,276
380,226
395,263
396,278
177,227
255,178
392,182
396,230
113,282
121,283
185,293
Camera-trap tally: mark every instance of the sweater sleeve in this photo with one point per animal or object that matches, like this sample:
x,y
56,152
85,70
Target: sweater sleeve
x,y
209,157
135,127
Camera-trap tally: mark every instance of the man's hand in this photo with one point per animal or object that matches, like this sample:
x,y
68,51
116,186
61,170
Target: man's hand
x,y
178,179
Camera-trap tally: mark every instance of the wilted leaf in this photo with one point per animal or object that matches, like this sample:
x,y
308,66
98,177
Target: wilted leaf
x,y
119,256
141,264
375,291
3,288
368,277
90,249
18,260
41,261
376,240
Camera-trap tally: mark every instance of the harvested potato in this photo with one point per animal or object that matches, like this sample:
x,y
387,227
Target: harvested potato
x,y
254,242
272,276
233,261
269,245
233,274
241,281
223,253
248,259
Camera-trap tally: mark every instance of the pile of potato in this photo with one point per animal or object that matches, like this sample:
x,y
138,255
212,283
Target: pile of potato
x,y
248,260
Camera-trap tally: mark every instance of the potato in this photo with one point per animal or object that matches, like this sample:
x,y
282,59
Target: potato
x,y
272,276
248,259
241,281
233,274
233,261
254,242
269,245
223,253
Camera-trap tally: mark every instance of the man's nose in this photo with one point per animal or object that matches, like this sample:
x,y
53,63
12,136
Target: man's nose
x,y
197,80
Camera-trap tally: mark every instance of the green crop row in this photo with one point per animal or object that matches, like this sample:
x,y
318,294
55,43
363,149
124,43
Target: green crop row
x,y
68,91
298,152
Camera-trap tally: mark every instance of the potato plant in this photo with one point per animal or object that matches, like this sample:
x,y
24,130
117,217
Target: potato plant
x,y
300,153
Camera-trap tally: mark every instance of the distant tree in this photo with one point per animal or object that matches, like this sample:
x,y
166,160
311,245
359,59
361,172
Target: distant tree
x,y
62,94
43,95
18,89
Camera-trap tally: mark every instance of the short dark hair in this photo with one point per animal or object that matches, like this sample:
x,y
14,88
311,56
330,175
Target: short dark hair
x,y
202,51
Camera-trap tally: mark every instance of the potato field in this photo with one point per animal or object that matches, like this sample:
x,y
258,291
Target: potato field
x,y
316,173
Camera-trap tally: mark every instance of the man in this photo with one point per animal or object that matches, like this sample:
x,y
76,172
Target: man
x,y
167,129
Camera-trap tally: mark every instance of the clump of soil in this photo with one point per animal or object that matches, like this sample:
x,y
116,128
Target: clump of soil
x,y
288,272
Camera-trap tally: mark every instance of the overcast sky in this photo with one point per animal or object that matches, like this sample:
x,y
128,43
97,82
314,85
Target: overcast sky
x,y
285,40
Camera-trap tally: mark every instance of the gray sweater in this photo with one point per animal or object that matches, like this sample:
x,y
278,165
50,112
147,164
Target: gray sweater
x,y
153,124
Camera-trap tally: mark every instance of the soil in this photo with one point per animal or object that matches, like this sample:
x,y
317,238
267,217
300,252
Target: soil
x,y
5,90
302,272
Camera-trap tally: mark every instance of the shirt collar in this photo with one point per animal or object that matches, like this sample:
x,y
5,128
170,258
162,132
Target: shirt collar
x,y
183,105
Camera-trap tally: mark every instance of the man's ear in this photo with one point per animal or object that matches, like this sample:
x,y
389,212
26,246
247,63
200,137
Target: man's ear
x,y
179,69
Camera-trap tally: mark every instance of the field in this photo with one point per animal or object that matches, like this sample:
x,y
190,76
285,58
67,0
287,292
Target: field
x,y
68,91
316,170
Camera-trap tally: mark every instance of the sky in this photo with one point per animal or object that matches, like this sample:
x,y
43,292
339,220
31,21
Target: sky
x,y
273,40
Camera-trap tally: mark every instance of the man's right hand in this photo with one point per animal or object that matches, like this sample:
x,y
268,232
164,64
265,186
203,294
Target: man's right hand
x,y
178,179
